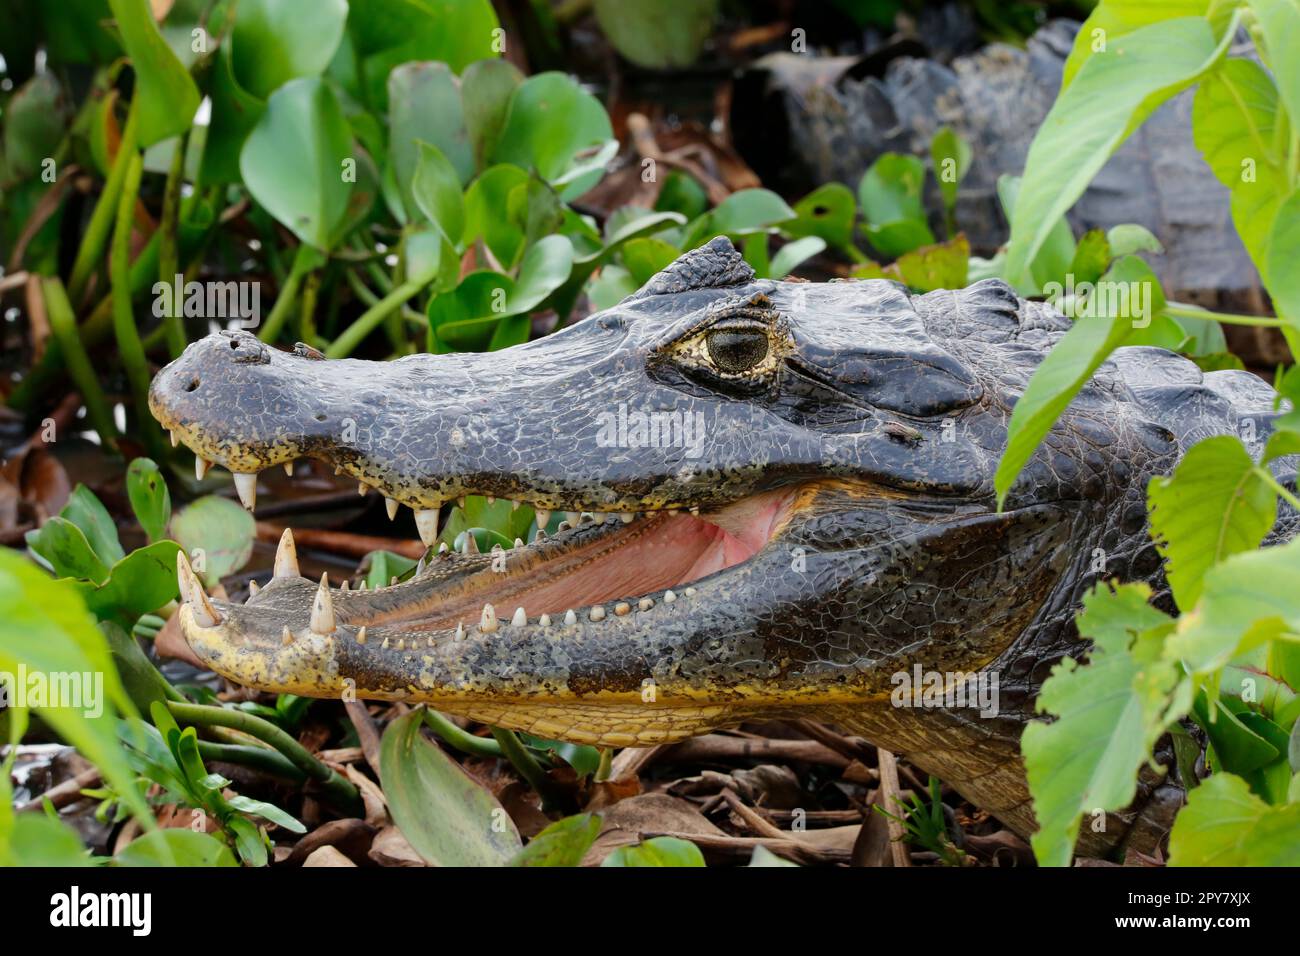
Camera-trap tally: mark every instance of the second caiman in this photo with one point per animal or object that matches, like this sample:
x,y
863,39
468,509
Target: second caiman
x,y
781,499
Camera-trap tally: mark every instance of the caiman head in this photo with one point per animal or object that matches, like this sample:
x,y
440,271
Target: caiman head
x,y
780,496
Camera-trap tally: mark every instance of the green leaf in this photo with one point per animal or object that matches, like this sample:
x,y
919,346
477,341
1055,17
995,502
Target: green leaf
x,y
167,94
1109,713
1114,92
563,843
88,513
610,287
682,193
175,847
487,212
743,213
889,195
34,122
1052,260
1214,505
762,856
1224,824
486,88
793,254
660,851
275,41
1279,23
1091,257
1115,18
1283,248
1128,238
384,566
143,581
550,120
941,266
425,107
293,161
220,530
544,268
45,627
150,500
951,156
235,112
828,211
448,817
436,191
39,840
657,35
644,257
1064,371
65,548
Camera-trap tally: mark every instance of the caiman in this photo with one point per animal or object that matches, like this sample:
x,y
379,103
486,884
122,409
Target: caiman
x,y
781,499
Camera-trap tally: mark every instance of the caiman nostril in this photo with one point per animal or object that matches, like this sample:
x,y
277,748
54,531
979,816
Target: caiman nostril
x,y
192,385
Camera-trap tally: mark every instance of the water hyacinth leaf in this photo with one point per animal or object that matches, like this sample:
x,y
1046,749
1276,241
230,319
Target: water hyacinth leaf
x,y
449,818
1283,248
219,530
1224,824
1128,238
88,513
293,160
659,851
610,287
464,318
175,847
941,266
742,213
275,41
141,582
644,257
889,195
536,208
550,119
487,212
235,112
363,177
150,499
425,106
589,161
951,156
486,88
790,256
682,193
543,269
384,566
828,211
563,843
657,36
1215,504
1113,92
435,187
167,95
63,546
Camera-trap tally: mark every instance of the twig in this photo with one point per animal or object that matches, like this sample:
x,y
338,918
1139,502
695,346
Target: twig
x,y
367,733
762,827
891,798
802,853
713,747
64,793
819,732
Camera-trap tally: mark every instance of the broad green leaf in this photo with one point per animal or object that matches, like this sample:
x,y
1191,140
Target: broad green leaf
x,y
1283,249
550,119
448,817
384,566
1111,19
657,36
889,195
563,843
536,208
1113,93
544,268
1110,712
660,851
1279,23
610,287
682,193
1052,261
220,530
175,847
742,213
463,319
435,188
425,106
485,89
39,840
1128,238
951,156
500,517
487,212
828,211
1215,504
88,513
1234,119
1091,257
941,266
45,627
293,161
644,257
150,499
235,112
167,94
64,548
1224,824
143,581
275,41
790,256
1064,371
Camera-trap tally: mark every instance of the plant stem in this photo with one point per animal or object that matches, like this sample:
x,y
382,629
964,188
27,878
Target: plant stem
x,y
303,261
64,326
258,758
606,764
169,247
307,319
129,347
528,768
463,741
340,789
369,320
1227,318
1276,485
91,250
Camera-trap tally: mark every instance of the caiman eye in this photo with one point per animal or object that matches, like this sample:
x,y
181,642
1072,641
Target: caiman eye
x,y
736,350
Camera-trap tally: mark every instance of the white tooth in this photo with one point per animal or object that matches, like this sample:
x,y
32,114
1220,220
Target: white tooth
x,y
497,549
286,556
288,468
286,636
176,437
570,617
645,604
384,645
695,510
361,635
392,580
471,543
344,585
442,548
460,502
597,613
460,631
253,588
401,643
586,516
674,511
519,542
246,486
514,505
622,608
572,517
391,505
562,526
543,517
628,517
361,488
365,585
544,620
488,621
201,466
192,593
669,597
520,618
419,567
690,592
426,522
541,535
491,499
322,608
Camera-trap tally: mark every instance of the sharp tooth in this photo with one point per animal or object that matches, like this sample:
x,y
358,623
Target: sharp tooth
x,y
570,617
496,549
201,466
544,620
176,437
384,645
627,517
361,488
695,510
192,593
541,535
442,548
597,613
645,604
426,522
344,586
460,502
460,631
361,635
622,608
543,517
288,468
488,622
401,643
519,542
365,586
491,499
286,636
514,505
471,543
392,580
286,557
391,506
419,567
562,526
586,516
246,486
690,592
322,609
253,588
572,517
520,618
669,597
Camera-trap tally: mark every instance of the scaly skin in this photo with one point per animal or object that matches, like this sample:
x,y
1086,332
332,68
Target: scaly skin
x,y
851,466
